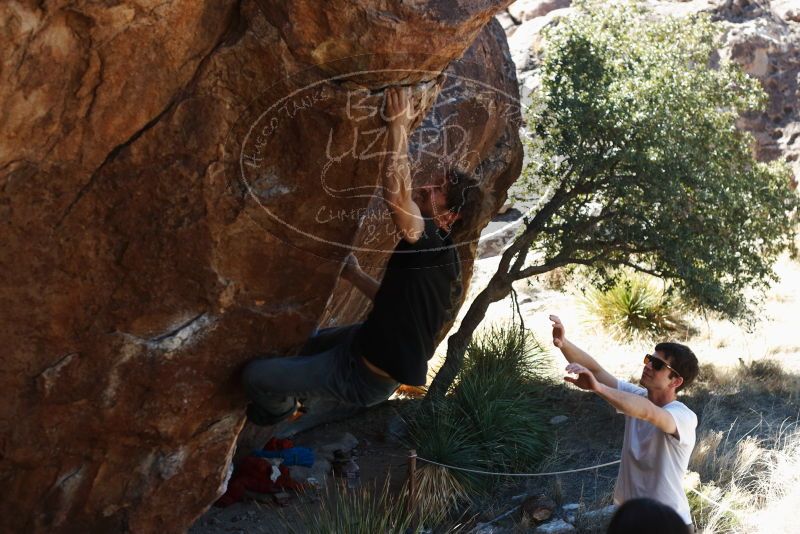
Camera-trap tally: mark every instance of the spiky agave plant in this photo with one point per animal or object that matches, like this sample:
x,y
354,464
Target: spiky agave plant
x,y
491,420
636,309
505,351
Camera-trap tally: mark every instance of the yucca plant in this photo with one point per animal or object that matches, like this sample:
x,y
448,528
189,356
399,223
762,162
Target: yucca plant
x,y
367,510
491,420
441,432
507,418
636,309
505,351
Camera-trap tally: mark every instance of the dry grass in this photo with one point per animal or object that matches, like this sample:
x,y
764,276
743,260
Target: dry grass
x,y
556,279
778,485
754,482
364,510
751,472
765,376
438,492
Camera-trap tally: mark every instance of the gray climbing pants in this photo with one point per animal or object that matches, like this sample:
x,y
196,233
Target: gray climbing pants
x,y
327,374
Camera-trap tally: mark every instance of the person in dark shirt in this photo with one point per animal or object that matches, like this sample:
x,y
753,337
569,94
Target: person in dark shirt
x,y
361,365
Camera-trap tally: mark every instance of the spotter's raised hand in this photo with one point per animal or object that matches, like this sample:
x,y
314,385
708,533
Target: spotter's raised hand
x,y
585,379
558,331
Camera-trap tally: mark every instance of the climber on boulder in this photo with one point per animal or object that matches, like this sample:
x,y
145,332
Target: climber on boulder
x,y
361,365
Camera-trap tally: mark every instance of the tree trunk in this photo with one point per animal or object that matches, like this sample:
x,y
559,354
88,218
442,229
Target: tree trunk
x,y
499,286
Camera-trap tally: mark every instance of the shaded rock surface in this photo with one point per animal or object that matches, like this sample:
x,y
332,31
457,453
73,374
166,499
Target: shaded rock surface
x,y
180,182
598,519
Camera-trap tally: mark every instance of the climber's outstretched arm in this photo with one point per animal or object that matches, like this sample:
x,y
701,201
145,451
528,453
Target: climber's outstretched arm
x,y
353,273
399,115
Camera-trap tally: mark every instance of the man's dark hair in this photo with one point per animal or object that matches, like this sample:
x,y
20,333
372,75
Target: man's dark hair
x,y
682,359
646,515
458,189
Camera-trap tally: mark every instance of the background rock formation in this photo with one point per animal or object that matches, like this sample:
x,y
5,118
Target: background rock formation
x,y
763,36
179,184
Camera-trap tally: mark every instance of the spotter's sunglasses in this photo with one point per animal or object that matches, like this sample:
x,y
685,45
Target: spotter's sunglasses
x,y
658,363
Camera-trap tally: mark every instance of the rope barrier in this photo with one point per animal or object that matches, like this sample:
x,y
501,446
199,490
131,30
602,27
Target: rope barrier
x,y
566,471
493,473
598,466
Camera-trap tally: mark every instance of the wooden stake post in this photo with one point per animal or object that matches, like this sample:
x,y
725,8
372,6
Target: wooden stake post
x,y
412,484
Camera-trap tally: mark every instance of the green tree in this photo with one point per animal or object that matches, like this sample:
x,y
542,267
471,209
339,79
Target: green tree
x,y
637,162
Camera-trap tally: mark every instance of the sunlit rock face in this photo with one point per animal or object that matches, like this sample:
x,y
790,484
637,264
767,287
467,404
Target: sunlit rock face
x,y
179,184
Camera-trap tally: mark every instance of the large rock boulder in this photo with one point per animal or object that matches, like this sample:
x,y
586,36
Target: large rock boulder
x,y
180,182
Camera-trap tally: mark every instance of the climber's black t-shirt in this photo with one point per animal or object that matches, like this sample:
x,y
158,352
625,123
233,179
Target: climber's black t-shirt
x,y
415,299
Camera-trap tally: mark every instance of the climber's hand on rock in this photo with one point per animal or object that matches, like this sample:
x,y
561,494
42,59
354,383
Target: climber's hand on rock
x,y
399,111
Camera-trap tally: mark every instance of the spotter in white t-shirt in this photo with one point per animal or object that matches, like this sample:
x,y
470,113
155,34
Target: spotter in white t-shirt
x,y
653,462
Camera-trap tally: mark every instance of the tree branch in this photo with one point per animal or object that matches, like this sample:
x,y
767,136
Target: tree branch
x,y
645,270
